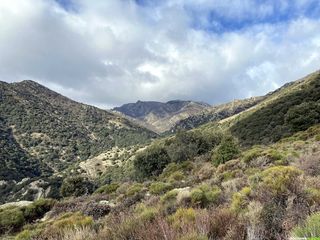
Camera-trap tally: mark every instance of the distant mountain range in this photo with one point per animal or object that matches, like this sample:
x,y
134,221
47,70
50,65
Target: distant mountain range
x,y
171,116
161,117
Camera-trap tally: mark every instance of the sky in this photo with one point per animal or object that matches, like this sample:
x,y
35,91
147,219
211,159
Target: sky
x,y
110,52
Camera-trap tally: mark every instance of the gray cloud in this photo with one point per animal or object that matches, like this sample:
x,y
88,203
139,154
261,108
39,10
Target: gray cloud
x,y
111,52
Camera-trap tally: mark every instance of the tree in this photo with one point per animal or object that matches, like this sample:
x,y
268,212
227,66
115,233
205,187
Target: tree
x,y
226,150
76,186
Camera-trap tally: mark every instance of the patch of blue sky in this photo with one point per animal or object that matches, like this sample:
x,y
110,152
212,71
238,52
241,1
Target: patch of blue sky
x,y
68,5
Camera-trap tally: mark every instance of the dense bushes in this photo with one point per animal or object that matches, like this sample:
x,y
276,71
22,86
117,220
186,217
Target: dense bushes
x,y
295,111
184,146
76,186
13,218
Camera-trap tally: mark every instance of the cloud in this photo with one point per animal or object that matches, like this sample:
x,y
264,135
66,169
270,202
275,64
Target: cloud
x,y
111,52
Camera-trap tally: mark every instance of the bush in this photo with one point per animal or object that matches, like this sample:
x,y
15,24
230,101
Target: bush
x,y
72,220
107,189
205,195
159,188
37,209
280,179
309,229
183,216
134,189
76,186
146,214
151,161
240,200
11,220
228,149
24,235
169,196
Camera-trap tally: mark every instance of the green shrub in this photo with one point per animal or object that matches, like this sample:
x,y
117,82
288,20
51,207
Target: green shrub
x,y
228,149
107,189
169,196
72,220
280,179
159,188
135,188
76,186
252,154
146,214
151,161
309,229
24,235
182,216
240,200
205,195
11,220
176,176
37,209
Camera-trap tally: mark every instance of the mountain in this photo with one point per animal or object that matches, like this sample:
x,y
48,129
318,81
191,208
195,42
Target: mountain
x,y
158,116
251,175
292,108
43,132
215,113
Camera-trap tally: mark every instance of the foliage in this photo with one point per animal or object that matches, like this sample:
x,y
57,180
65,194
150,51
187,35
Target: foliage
x,y
291,112
159,188
309,229
205,195
240,200
227,150
279,179
11,220
37,209
152,161
107,189
183,216
76,186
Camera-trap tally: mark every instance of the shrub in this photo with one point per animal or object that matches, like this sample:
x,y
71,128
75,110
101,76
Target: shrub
x,y
279,179
134,189
182,216
11,220
205,195
252,154
240,200
227,150
309,229
24,235
146,213
107,189
224,224
169,196
76,186
151,161
72,220
37,209
159,188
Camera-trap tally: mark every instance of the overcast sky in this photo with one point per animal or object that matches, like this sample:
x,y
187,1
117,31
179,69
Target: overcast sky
x,y
110,52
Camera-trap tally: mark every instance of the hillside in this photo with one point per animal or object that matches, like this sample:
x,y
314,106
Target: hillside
x,y
43,132
228,179
216,113
292,108
160,117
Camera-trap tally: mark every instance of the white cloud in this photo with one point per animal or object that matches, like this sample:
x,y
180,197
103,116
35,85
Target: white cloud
x,y
112,52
